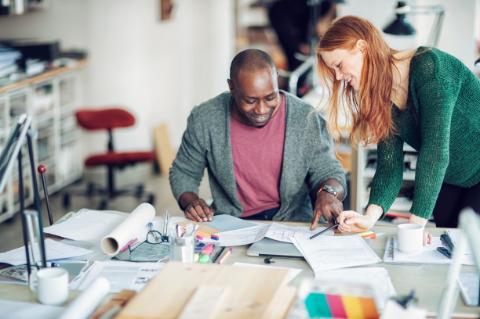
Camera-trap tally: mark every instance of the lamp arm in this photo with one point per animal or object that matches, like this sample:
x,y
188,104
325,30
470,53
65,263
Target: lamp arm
x,y
436,27
439,13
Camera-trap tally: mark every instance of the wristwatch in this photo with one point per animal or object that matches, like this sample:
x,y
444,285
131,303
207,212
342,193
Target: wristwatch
x,y
329,189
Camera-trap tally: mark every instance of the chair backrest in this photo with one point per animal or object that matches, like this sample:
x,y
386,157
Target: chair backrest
x,y
104,119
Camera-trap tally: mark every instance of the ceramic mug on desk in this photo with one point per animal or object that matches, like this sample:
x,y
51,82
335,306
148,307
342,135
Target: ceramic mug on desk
x,y
410,238
182,248
51,285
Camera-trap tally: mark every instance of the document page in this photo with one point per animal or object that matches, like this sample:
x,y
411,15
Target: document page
x,y
54,250
242,236
22,310
226,222
429,254
120,274
469,287
285,233
87,224
333,252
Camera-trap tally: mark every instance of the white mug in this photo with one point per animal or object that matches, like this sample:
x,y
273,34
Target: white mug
x,y
51,285
410,238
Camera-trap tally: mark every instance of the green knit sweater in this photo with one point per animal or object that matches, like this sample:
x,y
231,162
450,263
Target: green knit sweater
x,y
442,122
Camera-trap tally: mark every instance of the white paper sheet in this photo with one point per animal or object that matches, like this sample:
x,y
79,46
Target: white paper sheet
x,y
429,254
22,310
376,277
88,300
292,272
455,237
120,275
87,224
242,236
54,250
469,287
333,252
134,228
285,233
226,222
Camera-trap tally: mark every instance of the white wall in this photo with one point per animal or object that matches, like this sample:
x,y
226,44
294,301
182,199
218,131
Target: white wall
x,y
457,34
159,69
162,69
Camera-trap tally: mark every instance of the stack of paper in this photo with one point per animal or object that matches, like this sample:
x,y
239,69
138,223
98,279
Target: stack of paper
x,y
54,250
233,231
333,252
429,254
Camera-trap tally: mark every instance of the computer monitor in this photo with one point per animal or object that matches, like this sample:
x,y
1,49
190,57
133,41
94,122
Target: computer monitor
x,y
470,233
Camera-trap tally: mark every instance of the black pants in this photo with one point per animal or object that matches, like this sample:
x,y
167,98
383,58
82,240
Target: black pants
x,y
451,200
265,215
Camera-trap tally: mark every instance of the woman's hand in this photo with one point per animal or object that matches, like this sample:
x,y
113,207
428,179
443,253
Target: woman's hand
x,y
427,237
351,221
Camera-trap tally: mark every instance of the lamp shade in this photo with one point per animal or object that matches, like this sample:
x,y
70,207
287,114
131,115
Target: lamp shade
x,y
400,25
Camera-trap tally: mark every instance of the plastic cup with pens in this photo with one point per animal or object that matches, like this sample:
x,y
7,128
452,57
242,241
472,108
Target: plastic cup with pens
x,y
182,243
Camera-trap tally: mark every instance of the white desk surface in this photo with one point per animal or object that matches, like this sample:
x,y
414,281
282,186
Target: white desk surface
x,y
427,280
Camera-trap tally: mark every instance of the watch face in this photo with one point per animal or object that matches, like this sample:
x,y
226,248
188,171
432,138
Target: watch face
x,y
329,189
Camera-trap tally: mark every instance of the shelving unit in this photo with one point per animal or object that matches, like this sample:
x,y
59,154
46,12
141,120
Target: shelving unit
x,y
51,99
364,161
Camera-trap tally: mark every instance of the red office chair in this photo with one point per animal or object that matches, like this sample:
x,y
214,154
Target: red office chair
x,y
110,119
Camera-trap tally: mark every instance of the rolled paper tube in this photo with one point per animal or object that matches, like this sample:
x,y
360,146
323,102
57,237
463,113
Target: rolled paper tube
x,y
131,228
88,300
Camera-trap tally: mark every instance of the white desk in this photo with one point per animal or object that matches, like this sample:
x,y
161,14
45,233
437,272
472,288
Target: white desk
x,y
427,280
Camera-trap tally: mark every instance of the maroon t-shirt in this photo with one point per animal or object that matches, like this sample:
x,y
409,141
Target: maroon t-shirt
x,y
257,161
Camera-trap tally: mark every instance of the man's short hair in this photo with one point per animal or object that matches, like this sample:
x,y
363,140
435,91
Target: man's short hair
x,y
250,59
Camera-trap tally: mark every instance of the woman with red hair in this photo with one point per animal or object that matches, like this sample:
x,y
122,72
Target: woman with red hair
x,y
423,97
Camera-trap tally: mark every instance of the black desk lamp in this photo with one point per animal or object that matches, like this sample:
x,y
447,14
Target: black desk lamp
x,y
11,153
400,25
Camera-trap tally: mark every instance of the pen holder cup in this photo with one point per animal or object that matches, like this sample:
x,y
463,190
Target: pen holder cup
x,y
182,249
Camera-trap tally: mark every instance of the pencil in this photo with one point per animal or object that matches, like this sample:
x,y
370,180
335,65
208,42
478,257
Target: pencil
x,y
324,231
225,255
218,254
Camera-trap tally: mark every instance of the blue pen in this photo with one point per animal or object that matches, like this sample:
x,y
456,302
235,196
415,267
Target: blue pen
x,y
447,241
444,251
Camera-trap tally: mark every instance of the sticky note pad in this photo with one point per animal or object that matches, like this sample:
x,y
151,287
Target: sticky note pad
x,y
320,305
317,306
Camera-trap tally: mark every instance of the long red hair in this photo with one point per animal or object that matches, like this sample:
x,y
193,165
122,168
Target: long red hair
x,y
369,109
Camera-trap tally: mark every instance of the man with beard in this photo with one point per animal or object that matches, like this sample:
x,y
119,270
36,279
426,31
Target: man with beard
x,y
268,154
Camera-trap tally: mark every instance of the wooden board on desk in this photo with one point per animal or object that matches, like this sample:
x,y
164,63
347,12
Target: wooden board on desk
x,y
252,292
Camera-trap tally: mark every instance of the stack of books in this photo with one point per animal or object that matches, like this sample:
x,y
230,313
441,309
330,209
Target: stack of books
x,y
8,65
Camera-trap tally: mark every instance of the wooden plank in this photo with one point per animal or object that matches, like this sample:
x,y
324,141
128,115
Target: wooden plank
x,y
163,149
252,290
281,303
205,302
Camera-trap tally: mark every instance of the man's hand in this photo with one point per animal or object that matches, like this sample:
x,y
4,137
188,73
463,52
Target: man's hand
x,y
195,208
326,205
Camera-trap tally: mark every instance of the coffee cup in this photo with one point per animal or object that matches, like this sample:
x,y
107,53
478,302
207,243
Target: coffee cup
x,y
51,285
410,238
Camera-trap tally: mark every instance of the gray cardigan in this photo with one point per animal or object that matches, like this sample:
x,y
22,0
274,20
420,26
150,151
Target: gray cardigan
x,y
308,159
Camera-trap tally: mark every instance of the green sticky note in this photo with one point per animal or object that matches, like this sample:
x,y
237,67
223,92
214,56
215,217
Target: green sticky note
x,y
317,306
204,259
